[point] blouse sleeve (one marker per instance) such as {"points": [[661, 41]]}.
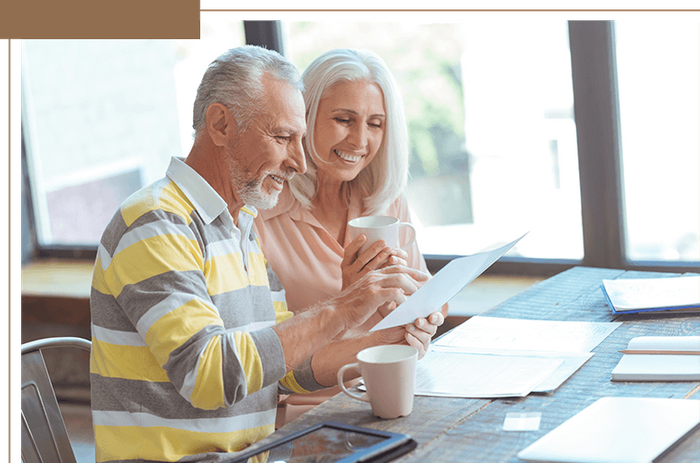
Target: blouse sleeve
{"points": [[400, 209]]}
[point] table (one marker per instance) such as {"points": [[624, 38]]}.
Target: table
{"points": [[470, 430]]}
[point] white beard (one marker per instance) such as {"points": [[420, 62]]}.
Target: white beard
{"points": [[253, 195], [250, 191]]}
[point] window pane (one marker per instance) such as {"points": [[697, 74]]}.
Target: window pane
{"points": [[101, 118], [489, 107], [658, 67]]}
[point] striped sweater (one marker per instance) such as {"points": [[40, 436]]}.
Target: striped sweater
{"points": [[184, 360]]}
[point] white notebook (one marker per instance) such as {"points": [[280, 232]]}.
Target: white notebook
{"points": [[660, 367], [617, 430]]}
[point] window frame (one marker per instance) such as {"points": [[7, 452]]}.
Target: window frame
{"points": [[596, 114]]}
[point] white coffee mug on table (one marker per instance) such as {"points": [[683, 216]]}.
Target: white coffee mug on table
{"points": [[389, 374], [380, 227]]}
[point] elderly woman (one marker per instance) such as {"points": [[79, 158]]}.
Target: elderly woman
{"points": [[356, 151]]}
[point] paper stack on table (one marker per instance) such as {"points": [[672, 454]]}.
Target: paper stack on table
{"points": [[488, 357]]}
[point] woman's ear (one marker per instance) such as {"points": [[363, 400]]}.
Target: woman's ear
{"points": [[221, 125]]}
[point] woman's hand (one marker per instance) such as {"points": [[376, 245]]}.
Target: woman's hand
{"points": [[378, 255]]}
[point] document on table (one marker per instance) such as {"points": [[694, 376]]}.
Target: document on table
{"points": [[444, 285], [459, 374], [497, 357]]}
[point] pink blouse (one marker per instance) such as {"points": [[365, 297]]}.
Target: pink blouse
{"points": [[305, 257]]}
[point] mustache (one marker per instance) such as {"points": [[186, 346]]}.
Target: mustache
{"points": [[286, 176]]}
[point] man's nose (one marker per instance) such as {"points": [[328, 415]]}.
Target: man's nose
{"points": [[297, 160]]}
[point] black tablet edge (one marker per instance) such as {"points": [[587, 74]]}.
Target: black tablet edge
{"points": [[392, 453], [394, 446]]}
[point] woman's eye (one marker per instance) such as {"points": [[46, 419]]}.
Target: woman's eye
{"points": [[342, 121]]}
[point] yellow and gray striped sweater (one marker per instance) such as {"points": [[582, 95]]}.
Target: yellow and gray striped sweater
{"points": [[184, 361]]}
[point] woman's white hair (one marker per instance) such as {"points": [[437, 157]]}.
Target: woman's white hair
{"points": [[234, 79], [381, 182]]}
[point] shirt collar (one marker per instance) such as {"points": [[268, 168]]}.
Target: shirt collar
{"points": [[204, 198]]}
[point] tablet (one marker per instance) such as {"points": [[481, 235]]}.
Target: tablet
{"points": [[331, 442]]}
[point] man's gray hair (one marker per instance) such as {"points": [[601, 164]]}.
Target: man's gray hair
{"points": [[234, 79]]}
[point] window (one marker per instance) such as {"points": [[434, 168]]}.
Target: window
{"points": [[658, 68], [100, 120], [584, 132], [489, 107]]}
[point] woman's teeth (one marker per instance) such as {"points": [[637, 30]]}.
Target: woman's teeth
{"points": [[347, 157]]}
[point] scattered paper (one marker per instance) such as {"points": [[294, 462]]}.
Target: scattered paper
{"points": [[522, 421], [486, 334], [488, 357], [451, 374]]}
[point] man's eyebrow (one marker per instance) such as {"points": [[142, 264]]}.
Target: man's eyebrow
{"points": [[289, 130]]}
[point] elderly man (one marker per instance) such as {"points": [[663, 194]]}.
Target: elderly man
{"points": [[192, 339]]}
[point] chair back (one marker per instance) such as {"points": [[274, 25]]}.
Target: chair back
{"points": [[44, 435]]}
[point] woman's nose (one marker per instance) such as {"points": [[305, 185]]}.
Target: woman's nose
{"points": [[358, 136]]}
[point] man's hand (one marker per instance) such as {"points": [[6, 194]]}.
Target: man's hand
{"points": [[384, 288], [417, 334]]}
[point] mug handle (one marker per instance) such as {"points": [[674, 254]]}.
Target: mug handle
{"points": [[413, 235], [355, 366]]}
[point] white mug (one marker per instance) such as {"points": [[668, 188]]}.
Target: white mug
{"points": [[389, 373], [380, 227]]}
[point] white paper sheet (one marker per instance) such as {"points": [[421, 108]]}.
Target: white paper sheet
{"points": [[522, 421], [486, 334], [443, 286], [518, 353], [455, 374]]}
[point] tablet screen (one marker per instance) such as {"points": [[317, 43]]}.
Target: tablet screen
{"points": [[328, 445], [323, 445]]}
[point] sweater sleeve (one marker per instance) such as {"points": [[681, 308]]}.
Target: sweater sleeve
{"points": [[154, 275]]}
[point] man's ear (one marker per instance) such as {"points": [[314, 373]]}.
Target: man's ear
{"points": [[221, 125]]}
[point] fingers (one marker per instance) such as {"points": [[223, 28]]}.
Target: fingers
{"points": [[397, 257], [375, 256], [421, 325], [416, 275], [421, 331], [386, 309], [436, 319], [351, 250], [402, 282], [419, 345], [353, 267]]}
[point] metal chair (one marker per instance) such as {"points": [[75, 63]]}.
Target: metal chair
{"points": [[44, 435]]}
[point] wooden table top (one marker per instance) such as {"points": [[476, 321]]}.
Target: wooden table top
{"points": [[471, 430]]}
